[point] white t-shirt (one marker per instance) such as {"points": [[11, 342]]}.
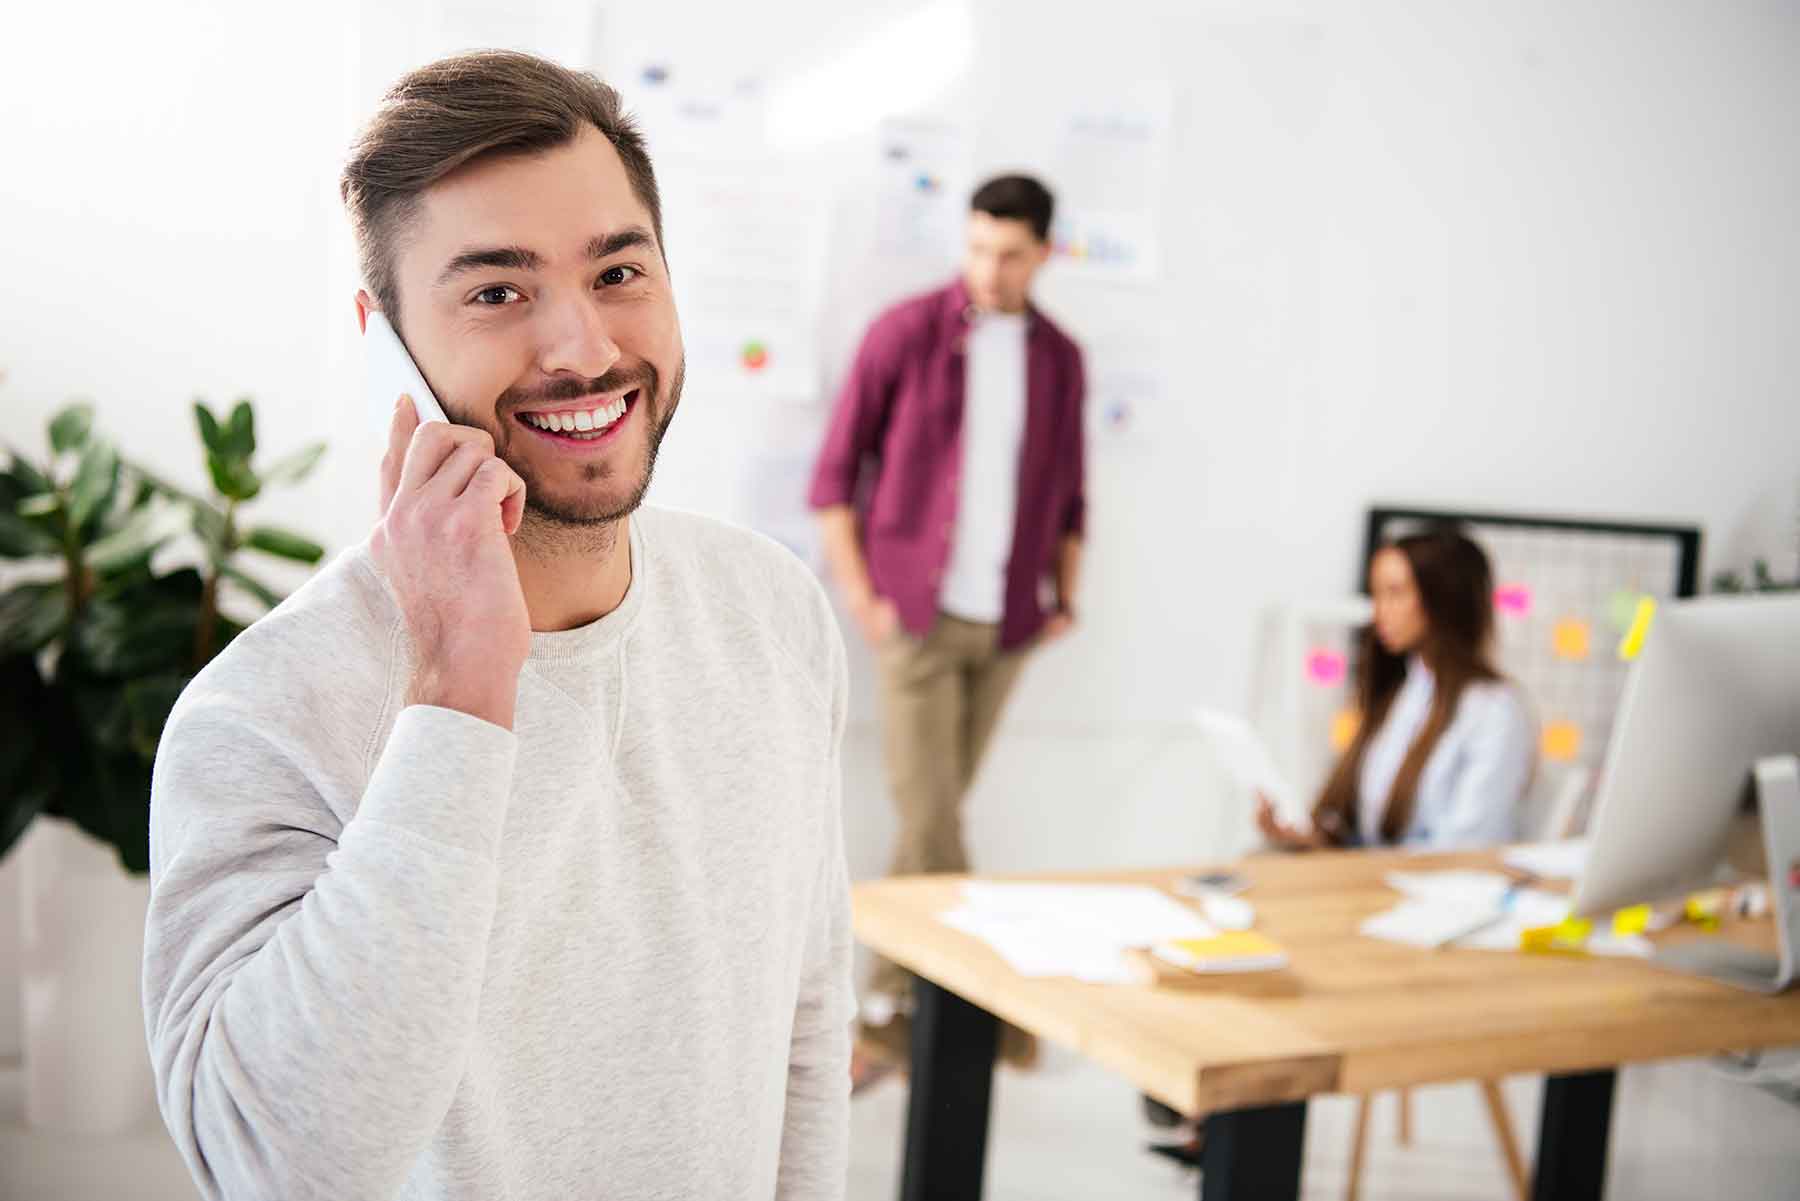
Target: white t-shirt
{"points": [[993, 424]]}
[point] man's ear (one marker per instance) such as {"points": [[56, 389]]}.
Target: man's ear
{"points": [[365, 304]]}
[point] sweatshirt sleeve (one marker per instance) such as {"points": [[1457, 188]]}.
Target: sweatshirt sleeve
{"points": [[815, 1137], [311, 985]]}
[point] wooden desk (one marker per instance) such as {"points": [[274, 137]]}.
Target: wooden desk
{"points": [[1351, 1015]]}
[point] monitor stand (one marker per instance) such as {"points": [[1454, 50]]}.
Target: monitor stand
{"points": [[1777, 783]]}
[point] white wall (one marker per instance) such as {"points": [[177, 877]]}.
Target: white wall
{"points": [[1528, 256]]}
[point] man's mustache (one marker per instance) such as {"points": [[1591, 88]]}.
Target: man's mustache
{"points": [[619, 379]]}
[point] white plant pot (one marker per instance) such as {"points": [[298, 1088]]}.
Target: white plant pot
{"points": [[87, 1069]]}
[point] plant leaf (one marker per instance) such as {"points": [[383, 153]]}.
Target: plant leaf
{"points": [[285, 543], [209, 524], [31, 615], [95, 482], [29, 479], [210, 433], [291, 469], [240, 434], [20, 539], [251, 584], [27, 774], [41, 505], [147, 529], [69, 428], [233, 477]]}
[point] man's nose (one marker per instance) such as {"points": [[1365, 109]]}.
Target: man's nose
{"points": [[577, 339]]}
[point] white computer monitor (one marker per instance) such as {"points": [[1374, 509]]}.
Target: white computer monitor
{"points": [[1716, 688]]}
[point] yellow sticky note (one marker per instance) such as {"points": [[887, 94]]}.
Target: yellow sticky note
{"points": [[1633, 642], [1344, 725], [1561, 741], [1703, 908], [1634, 920], [1571, 639]]}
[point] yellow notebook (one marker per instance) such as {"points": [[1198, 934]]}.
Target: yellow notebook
{"points": [[1231, 951]]}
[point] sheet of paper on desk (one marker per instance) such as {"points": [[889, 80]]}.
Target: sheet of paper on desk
{"points": [[1073, 930], [1125, 915], [1033, 947], [1424, 924], [1550, 860], [1529, 909], [1452, 889]]}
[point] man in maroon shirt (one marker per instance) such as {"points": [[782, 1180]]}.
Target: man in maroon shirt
{"points": [[950, 493]]}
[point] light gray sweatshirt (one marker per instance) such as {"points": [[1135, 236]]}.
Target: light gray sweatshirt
{"points": [[399, 952]]}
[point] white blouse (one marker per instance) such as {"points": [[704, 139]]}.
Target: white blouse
{"points": [[1474, 782]]}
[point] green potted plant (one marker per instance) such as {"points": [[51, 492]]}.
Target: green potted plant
{"points": [[113, 602]]}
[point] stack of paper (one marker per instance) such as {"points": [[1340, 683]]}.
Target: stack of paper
{"points": [[1468, 908], [1074, 930]]}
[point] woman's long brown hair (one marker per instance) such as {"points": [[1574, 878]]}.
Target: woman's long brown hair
{"points": [[1456, 590]]}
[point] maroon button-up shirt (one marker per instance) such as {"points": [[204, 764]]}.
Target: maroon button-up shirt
{"points": [[894, 451]]}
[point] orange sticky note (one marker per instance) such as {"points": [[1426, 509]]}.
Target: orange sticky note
{"points": [[1561, 741], [1571, 639], [1344, 725]]}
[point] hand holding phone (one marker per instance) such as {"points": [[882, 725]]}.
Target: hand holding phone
{"points": [[449, 505]]}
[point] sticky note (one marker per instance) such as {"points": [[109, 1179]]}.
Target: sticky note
{"points": [[1621, 608], [1571, 934], [1561, 741], [1513, 600], [1326, 667], [1633, 643], [1571, 639], [1634, 920], [1344, 725]]}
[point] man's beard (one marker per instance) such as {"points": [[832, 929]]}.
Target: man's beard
{"points": [[554, 523]]}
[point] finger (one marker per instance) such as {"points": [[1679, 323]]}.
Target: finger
{"points": [[512, 510], [493, 484], [453, 475], [431, 445], [400, 432]]}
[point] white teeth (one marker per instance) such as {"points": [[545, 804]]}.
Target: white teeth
{"points": [[592, 420]]}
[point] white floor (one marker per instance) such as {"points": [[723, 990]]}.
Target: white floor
{"points": [[1069, 1130]]}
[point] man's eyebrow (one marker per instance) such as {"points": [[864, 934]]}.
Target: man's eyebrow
{"points": [[510, 258], [632, 237]]}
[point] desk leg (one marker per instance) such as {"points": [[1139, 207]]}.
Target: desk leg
{"points": [[1571, 1159], [953, 1046], [1253, 1154]]}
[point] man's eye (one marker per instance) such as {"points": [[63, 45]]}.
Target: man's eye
{"points": [[613, 277], [497, 295]]}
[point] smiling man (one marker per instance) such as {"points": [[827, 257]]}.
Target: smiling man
{"points": [[504, 860]]}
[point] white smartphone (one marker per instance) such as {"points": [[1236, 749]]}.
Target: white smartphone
{"points": [[390, 373]]}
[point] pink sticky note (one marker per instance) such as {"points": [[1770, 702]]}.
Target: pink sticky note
{"points": [[1514, 599], [1326, 667]]}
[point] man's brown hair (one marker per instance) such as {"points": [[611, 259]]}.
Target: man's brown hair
{"points": [[461, 109]]}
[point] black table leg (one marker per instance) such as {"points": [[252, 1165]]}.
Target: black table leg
{"points": [[1253, 1154], [1571, 1161], [953, 1046]]}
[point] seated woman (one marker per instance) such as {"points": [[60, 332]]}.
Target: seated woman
{"points": [[1447, 746]]}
